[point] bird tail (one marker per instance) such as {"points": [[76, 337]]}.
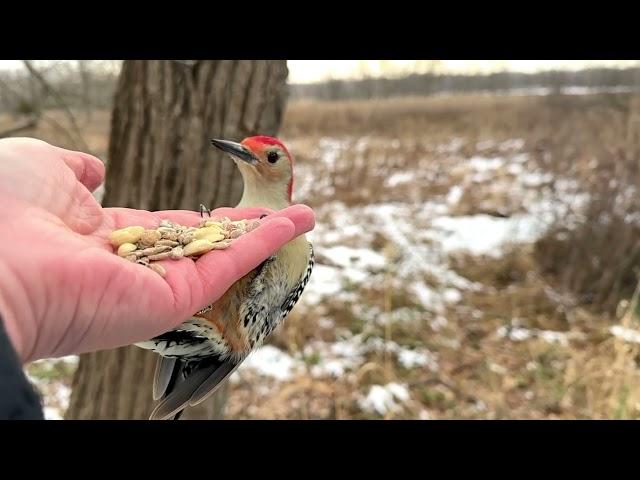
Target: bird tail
{"points": [[182, 383]]}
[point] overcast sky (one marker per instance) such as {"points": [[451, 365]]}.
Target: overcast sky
{"points": [[305, 71]]}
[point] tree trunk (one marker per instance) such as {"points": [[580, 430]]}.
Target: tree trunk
{"points": [[633, 129], [160, 157]]}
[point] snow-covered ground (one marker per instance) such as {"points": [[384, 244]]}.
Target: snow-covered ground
{"points": [[421, 237], [423, 234]]}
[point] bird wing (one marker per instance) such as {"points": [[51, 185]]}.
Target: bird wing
{"points": [[163, 375], [192, 383], [213, 382]]}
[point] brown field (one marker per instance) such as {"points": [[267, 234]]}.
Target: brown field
{"points": [[437, 295]]}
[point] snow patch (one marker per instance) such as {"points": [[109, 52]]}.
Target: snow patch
{"points": [[627, 334], [360, 258], [485, 164], [384, 399], [399, 178], [520, 334], [271, 362], [484, 234]]}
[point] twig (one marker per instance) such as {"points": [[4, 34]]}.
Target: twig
{"points": [[59, 127]]}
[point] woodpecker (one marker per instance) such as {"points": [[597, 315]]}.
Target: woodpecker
{"points": [[196, 357]]}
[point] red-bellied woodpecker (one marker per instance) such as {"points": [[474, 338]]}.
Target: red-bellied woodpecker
{"points": [[200, 354]]}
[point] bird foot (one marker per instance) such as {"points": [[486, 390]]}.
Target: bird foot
{"points": [[204, 210]]}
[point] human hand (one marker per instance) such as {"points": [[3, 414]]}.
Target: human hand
{"points": [[62, 289]]}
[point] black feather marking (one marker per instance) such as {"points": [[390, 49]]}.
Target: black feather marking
{"points": [[180, 337]]}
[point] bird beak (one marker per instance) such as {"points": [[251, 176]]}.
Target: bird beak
{"points": [[236, 150]]}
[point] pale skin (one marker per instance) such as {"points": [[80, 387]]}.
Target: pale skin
{"points": [[62, 289]]}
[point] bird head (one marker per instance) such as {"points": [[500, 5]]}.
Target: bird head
{"points": [[266, 167]]}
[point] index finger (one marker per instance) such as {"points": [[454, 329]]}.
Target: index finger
{"points": [[88, 169]]}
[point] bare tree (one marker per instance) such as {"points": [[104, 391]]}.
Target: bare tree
{"points": [[49, 90], [164, 114], [31, 95]]}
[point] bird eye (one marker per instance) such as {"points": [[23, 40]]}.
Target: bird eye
{"points": [[272, 157]]}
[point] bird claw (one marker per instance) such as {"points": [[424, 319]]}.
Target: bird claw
{"points": [[206, 309], [204, 210]]}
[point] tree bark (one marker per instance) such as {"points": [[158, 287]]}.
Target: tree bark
{"points": [[160, 157], [633, 129]]}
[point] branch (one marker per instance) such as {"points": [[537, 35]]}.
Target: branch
{"points": [[53, 122], [29, 123]]}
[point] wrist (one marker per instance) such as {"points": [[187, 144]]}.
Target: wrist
{"points": [[8, 315], [11, 328]]}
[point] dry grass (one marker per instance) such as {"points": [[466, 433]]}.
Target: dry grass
{"points": [[569, 283]]}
